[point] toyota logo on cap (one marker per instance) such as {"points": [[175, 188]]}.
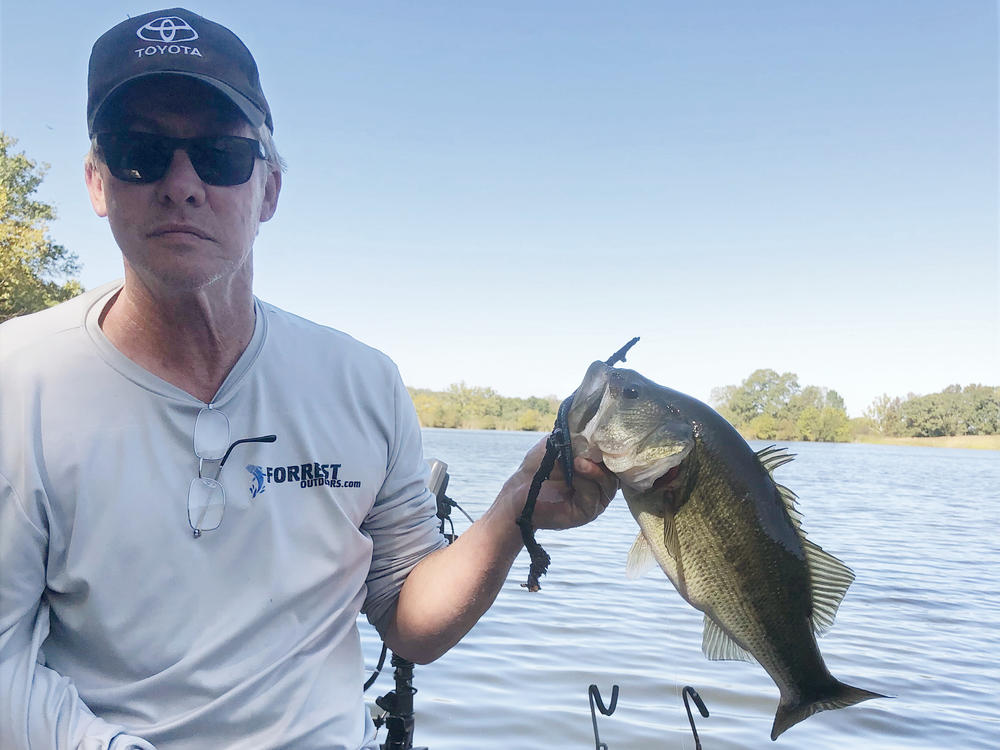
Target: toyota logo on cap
{"points": [[167, 29]]}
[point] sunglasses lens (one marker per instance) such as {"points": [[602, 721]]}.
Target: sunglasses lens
{"points": [[223, 160], [206, 503], [136, 157], [211, 434]]}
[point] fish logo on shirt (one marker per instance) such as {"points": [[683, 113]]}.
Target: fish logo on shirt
{"points": [[257, 485]]}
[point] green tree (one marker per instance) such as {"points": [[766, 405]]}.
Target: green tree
{"points": [[834, 425], [808, 424], [835, 401], [764, 392], [762, 427], [980, 410], [31, 264], [531, 421], [933, 415], [772, 406], [721, 398], [886, 414]]}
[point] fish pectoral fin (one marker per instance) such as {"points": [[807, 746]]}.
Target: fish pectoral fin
{"points": [[830, 580], [640, 558], [718, 646], [670, 539]]}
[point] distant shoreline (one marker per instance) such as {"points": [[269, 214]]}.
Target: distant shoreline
{"points": [[973, 442], [967, 442]]}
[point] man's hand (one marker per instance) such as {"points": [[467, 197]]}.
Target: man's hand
{"points": [[560, 506], [450, 589]]}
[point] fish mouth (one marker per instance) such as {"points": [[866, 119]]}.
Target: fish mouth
{"points": [[588, 397], [584, 409], [644, 472]]}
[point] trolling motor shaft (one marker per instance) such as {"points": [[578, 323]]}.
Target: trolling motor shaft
{"points": [[398, 704]]}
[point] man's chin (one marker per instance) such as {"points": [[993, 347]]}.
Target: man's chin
{"points": [[180, 279]]}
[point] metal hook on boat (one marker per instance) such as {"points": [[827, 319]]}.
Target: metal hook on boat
{"points": [[688, 690], [595, 696]]}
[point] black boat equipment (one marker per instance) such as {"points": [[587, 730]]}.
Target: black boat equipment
{"points": [[398, 702], [595, 697]]}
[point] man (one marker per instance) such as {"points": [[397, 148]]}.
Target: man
{"points": [[199, 492]]}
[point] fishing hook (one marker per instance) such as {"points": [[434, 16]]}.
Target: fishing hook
{"points": [[688, 690], [595, 695]]}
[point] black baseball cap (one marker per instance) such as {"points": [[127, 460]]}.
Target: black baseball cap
{"points": [[175, 42]]}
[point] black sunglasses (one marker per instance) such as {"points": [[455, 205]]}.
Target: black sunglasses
{"points": [[221, 160]]}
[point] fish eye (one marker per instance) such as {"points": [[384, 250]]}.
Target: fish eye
{"points": [[630, 392]]}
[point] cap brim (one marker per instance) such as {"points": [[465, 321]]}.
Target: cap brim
{"points": [[250, 111]]}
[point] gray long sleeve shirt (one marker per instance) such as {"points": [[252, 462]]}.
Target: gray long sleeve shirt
{"points": [[116, 622]]}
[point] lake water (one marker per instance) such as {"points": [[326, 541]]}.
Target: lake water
{"points": [[919, 527]]}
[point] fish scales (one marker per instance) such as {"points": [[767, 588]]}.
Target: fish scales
{"points": [[755, 587], [727, 536]]}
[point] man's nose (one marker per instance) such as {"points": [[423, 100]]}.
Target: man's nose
{"points": [[181, 183]]}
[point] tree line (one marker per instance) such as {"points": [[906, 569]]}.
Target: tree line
{"points": [[767, 405], [972, 410], [477, 408]]}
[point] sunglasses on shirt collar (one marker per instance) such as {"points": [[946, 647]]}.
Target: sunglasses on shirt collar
{"points": [[221, 160]]}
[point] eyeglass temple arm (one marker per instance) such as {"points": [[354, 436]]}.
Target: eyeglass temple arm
{"points": [[261, 439]]}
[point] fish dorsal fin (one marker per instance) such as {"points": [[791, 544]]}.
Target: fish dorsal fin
{"points": [[830, 580], [718, 646], [829, 577], [791, 501], [772, 457], [640, 558]]}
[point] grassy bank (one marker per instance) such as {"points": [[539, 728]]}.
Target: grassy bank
{"points": [[977, 442]]}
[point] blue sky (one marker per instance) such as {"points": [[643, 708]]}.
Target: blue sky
{"points": [[499, 193]]}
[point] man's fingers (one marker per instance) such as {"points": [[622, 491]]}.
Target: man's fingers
{"points": [[598, 473]]}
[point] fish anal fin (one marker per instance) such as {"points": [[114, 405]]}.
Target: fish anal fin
{"points": [[640, 558], [718, 646]]}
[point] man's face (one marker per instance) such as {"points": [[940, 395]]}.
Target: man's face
{"points": [[180, 233]]}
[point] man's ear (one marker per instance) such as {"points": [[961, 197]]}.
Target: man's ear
{"points": [[272, 188], [95, 187]]}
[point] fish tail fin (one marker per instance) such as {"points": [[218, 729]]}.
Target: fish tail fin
{"points": [[836, 695]]}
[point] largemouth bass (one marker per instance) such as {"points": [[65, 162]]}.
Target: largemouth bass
{"points": [[726, 534]]}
